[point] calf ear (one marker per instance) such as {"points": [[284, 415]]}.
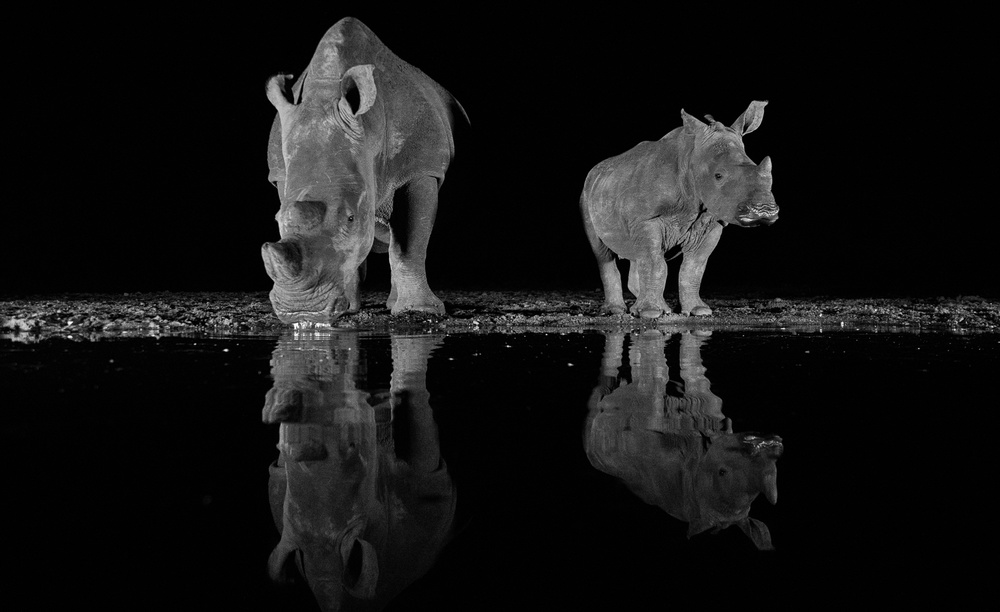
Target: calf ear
{"points": [[693, 124], [357, 90], [758, 532], [751, 118], [699, 525]]}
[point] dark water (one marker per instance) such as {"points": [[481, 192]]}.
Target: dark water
{"points": [[155, 473]]}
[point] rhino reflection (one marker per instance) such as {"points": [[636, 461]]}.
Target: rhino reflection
{"points": [[359, 492], [669, 441]]}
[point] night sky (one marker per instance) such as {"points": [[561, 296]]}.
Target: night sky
{"points": [[140, 145]]}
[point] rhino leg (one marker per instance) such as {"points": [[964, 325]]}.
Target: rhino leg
{"points": [[411, 402], [611, 278], [389, 303], [414, 209], [651, 274], [633, 280], [648, 274], [692, 269]]}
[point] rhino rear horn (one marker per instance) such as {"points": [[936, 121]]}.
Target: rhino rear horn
{"points": [[751, 118]]}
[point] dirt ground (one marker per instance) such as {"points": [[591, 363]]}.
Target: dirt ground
{"points": [[86, 316]]}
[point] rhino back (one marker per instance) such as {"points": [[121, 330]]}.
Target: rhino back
{"points": [[644, 183]]}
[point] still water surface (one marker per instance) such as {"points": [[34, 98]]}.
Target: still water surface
{"points": [[495, 471]]}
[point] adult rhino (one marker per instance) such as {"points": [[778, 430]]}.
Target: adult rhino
{"points": [[674, 196], [666, 438], [358, 152]]}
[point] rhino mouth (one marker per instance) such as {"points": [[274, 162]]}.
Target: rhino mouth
{"points": [[759, 214], [754, 221], [308, 318]]}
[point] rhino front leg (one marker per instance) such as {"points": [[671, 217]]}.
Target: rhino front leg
{"points": [[411, 410], [648, 273], [414, 210], [692, 269], [633, 280], [652, 275]]}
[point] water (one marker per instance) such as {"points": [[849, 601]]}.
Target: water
{"points": [[145, 473]]}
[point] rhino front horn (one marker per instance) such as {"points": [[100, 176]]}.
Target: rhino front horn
{"points": [[282, 260]]}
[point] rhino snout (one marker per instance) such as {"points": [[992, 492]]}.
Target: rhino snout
{"points": [[761, 213]]}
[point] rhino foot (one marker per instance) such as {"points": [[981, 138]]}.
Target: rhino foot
{"points": [[696, 309], [429, 303], [649, 310], [610, 308]]}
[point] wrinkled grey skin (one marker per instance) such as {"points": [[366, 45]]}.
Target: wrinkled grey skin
{"points": [[673, 196], [670, 443], [358, 151], [359, 521]]}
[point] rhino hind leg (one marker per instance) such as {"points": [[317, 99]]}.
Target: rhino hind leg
{"points": [[611, 278], [414, 210]]}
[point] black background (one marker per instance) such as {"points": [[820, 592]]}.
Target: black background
{"points": [[136, 143]]}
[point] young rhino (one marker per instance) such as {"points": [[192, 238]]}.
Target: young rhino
{"points": [[674, 195]]}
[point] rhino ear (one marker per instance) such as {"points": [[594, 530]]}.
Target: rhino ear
{"points": [[276, 88], [360, 569], [751, 118], [281, 561], [357, 90], [699, 525], [758, 532], [692, 124]]}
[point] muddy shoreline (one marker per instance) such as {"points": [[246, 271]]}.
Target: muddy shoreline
{"points": [[94, 316]]}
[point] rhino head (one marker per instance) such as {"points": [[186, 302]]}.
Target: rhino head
{"points": [[732, 472], [330, 126], [723, 177]]}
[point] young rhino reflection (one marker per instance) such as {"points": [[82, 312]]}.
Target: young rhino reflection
{"points": [[670, 443], [359, 493]]}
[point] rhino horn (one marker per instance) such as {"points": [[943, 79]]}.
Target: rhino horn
{"points": [[770, 486], [764, 168], [751, 118], [282, 260]]}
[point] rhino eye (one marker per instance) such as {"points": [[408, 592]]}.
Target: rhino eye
{"points": [[350, 218], [723, 471], [718, 176]]}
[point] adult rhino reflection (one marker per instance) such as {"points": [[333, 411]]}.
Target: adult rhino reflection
{"points": [[359, 492], [669, 441]]}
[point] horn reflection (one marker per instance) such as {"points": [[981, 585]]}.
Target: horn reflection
{"points": [[667, 439]]}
